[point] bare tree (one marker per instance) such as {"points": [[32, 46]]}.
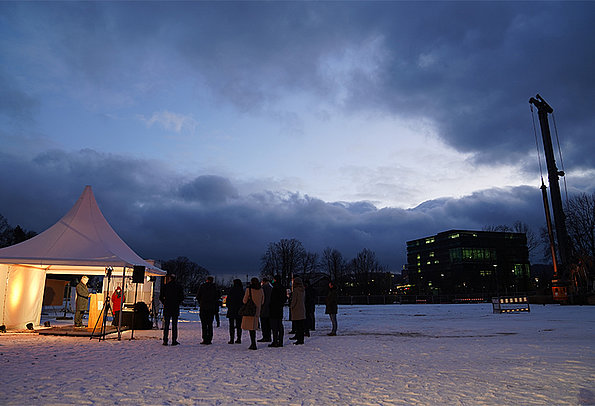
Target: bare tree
{"points": [[283, 258], [5, 232], [533, 241], [364, 264], [189, 274], [580, 221], [309, 263], [500, 228], [333, 265]]}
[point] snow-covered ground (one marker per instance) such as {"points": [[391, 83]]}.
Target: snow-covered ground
{"points": [[383, 355]]}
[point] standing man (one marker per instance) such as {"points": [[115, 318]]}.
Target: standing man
{"points": [[172, 295], [265, 322], [208, 299], [82, 301], [278, 300]]}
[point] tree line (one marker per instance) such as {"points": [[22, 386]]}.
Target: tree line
{"points": [[362, 274], [12, 235]]}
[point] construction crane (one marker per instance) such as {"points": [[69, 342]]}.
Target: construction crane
{"points": [[561, 279]]}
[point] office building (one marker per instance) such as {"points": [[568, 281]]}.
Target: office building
{"points": [[469, 262]]}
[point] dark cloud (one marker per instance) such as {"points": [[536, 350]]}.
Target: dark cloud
{"points": [[466, 68], [470, 68], [230, 233], [208, 189]]}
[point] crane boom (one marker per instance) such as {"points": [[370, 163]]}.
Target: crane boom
{"points": [[561, 275]]}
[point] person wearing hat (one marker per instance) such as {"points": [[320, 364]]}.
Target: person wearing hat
{"points": [[82, 301]]}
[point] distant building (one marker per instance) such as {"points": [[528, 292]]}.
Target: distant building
{"points": [[469, 262]]}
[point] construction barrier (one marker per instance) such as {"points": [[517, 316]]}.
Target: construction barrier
{"points": [[510, 304]]}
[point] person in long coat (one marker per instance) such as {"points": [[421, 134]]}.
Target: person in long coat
{"points": [[250, 323], [82, 301], [171, 295], [233, 303], [332, 307], [265, 321], [208, 300], [298, 310], [278, 299]]}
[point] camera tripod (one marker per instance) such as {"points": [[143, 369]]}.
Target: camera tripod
{"points": [[104, 311]]}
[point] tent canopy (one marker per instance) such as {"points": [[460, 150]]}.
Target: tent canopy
{"points": [[81, 242]]}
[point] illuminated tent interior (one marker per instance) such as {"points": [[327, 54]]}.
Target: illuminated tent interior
{"points": [[80, 243]]}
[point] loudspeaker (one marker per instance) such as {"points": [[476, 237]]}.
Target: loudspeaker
{"points": [[138, 274]]}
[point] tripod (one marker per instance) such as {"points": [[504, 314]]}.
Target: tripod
{"points": [[104, 311], [67, 304]]}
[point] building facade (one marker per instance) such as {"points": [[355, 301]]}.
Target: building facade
{"points": [[469, 262]]}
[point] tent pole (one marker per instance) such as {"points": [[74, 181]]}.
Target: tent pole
{"points": [[134, 312], [122, 303]]}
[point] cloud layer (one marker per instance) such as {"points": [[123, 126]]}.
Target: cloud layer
{"points": [[161, 215], [211, 129]]}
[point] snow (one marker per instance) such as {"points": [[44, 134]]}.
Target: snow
{"points": [[382, 355]]}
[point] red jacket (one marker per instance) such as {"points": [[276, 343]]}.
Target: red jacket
{"points": [[117, 298]]}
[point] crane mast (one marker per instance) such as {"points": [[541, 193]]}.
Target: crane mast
{"points": [[560, 281]]}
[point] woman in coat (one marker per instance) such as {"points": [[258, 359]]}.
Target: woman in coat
{"points": [[332, 307], [298, 310], [250, 323], [233, 303]]}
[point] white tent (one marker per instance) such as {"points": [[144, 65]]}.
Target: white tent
{"points": [[81, 243]]}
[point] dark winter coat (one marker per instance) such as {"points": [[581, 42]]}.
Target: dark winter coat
{"points": [[234, 301], [266, 289], [297, 306], [172, 295], [82, 297], [331, 301], [208, 297], [278, 300]]}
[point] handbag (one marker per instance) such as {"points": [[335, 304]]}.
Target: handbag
{"points": [[248, 308]]}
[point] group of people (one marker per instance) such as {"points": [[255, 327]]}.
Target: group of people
{"points": [[269, 298]]}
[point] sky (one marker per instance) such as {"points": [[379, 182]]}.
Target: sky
{"points": [[211, 129]]}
